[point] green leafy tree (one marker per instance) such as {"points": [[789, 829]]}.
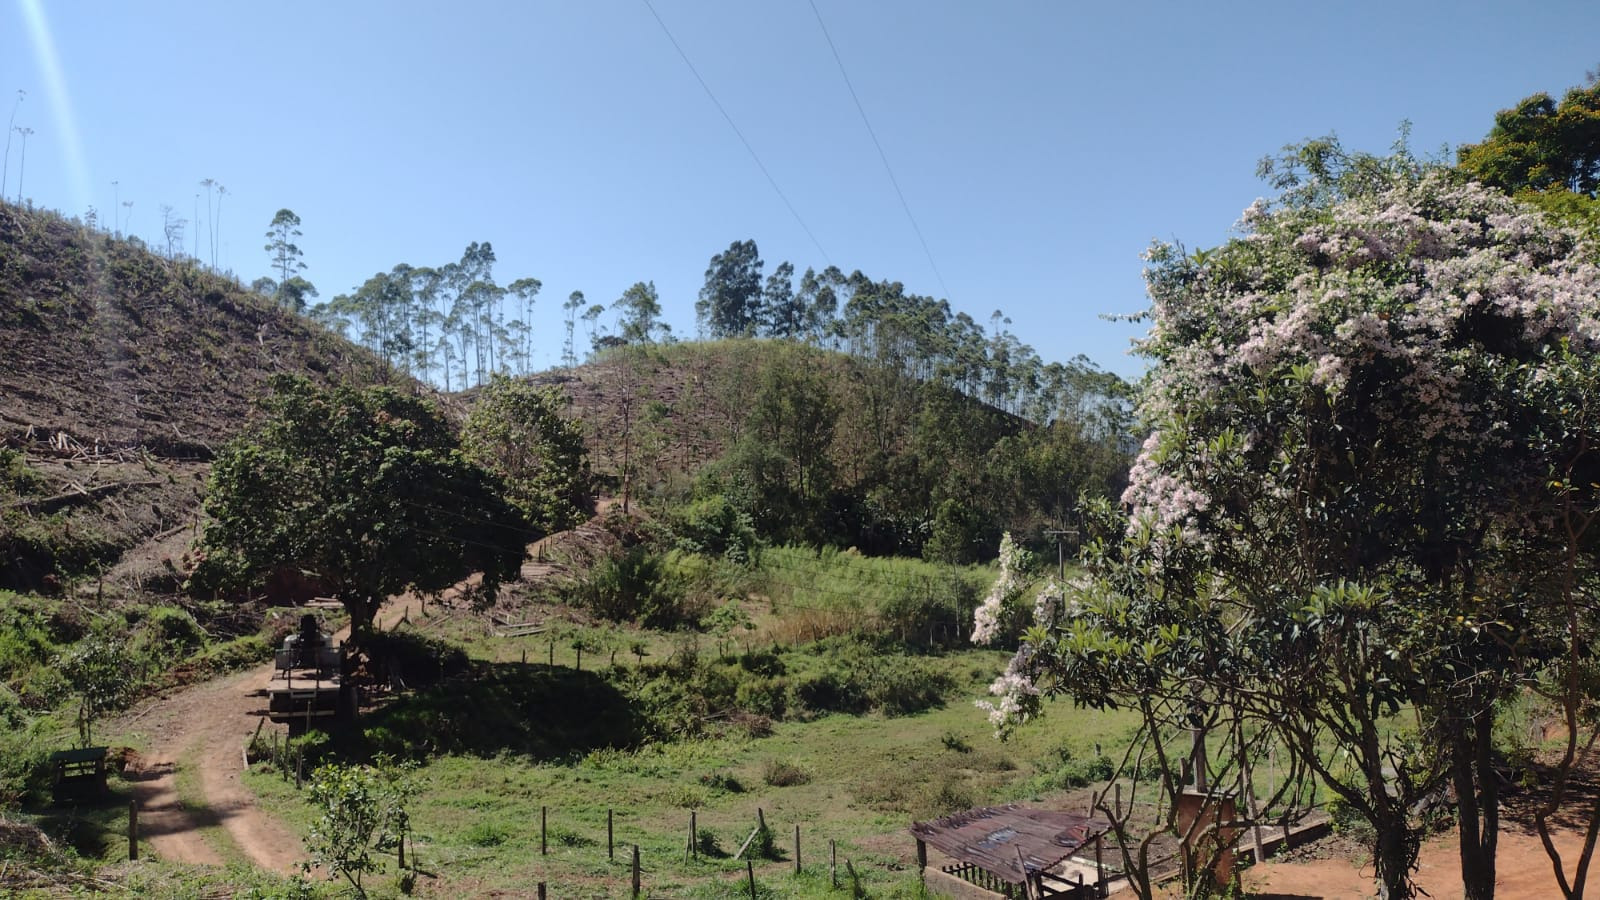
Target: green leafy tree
{"points": [[98, 669], [362, 817], [365, 490], [782, 458], [783, 313], [517, 431], [1546, 153], [639, 315], [730, 301]]}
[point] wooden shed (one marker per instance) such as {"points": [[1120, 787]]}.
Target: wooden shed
{"points": [[1014, 851]]}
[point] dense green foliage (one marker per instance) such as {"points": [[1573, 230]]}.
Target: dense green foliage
{"points": [[801, 444], [366, 491], [1546, 153], [518, 432]]}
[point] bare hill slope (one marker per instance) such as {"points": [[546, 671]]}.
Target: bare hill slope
{"points": [[109, 342], [120, 372]]}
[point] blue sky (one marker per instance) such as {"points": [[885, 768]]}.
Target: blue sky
{"points": [[1040, 145]]}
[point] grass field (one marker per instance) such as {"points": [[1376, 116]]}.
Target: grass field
{"points": [[853, 780]]}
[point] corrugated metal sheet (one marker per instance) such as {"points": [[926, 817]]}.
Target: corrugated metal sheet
{"points": [[991, 836]]}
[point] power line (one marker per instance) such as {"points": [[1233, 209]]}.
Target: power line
{"points": [[752, 151], [881, 155]]}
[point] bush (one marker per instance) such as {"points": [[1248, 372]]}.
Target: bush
{"points": [[722, 781], [781, 773], [1070, 772], [715, 527], [175, 627], [708, 845], [633, 584], [762, 696]]}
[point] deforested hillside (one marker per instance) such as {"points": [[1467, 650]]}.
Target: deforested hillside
{"points": [[109, 343], [120, 373]]}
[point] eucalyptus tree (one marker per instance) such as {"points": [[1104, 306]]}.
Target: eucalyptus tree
{"points": [[287, 259], [782, 310], [569, 310], [525, 290], [5, 168], [730, 301], [22, 166], [210, 184], [639, 315]]}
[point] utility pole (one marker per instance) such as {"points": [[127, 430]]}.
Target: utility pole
{"points": [[1061, 554]]}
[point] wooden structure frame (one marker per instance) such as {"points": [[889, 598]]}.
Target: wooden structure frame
{"points": [[78, 773], [1010, 851]]}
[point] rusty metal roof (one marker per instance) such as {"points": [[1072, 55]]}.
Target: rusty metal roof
{"points": [[990, 837]]}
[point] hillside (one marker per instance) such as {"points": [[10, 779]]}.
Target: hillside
{"points": [[112, 344], [122, 371], [822, 447]]}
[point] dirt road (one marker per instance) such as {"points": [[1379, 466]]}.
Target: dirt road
{"points": [[197, 737], [1522, 871]]}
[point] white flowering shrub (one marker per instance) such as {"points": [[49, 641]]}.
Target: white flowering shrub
{"points": [[988, 617]]}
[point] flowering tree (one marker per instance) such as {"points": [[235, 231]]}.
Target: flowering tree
{"points": [[1343, 509]]}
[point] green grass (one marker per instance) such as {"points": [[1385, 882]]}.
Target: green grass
{"points": [[477, 818]]}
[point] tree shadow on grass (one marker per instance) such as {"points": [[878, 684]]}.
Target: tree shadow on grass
{"points": [[524, 709]]}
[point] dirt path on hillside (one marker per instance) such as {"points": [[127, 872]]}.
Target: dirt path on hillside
{"points": [[202, 730]]}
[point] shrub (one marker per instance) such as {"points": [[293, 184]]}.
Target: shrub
{"points": [[722, 781], [762, 696], [632, 584], [956, 742], [1070, 772], [781, 773], [715, 527], [708, 845], [567, 837]]}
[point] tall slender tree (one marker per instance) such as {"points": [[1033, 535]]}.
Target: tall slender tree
{"points": [[5, 169], [569, 357]]}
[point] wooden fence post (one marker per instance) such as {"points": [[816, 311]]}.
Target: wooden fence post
{"points": [[543, 847], [635, 870], [541, 891], [797, 849], [833, 863], [750, 872], [611, 847], [694, 835], [133, 829]]}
